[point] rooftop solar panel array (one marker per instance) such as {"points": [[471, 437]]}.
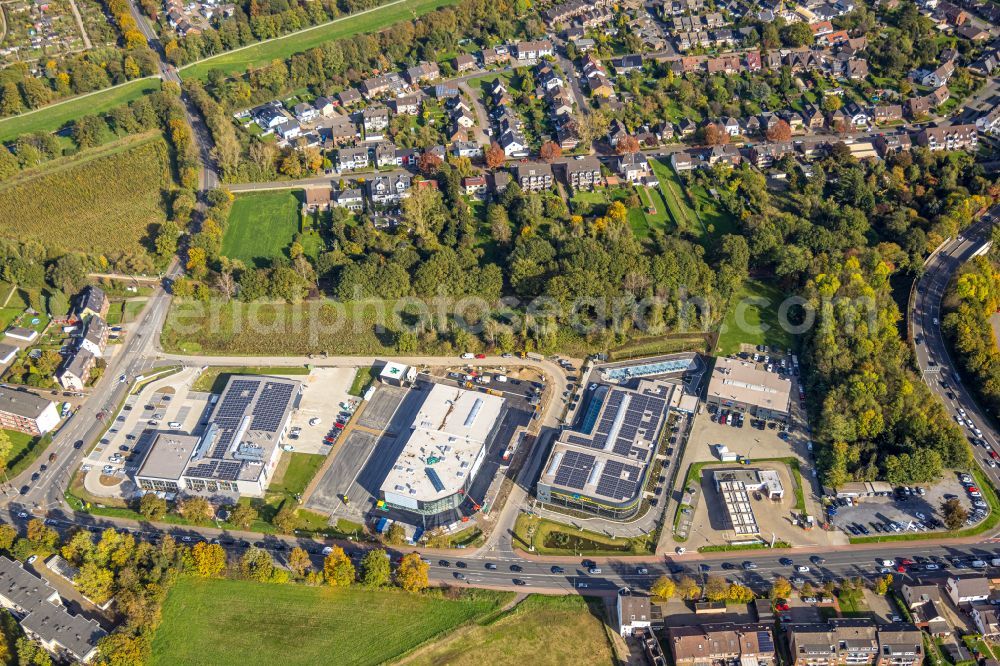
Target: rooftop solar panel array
{"points": [[640, 422], [224, 470], [230, 412], [765, 641], [619, 481], [574, 469], [270, 407]]}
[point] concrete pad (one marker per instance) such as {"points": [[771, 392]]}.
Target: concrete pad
{"points": [[323, 390], [378, 411]]}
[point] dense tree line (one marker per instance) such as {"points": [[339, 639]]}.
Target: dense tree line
{"points": [[973, 298]]}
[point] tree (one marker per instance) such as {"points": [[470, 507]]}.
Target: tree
{"points": [[41, 535], [550, 151], [195, 508], [123, 648], [627, 145], [152, 507], [87, 131], [209, 559], [796, 34], [954, 513], [256, 564], [429, 163], [375, 568], [739, 594], [495, 157], [5, 447], [688, 589], [95, 582], [286, 519], [663, 587], [499, 223], [412, 573], [7, 535], [882, 584], [298, 561], [831, 103], [779, 131], [715, 135], [30, 653], [243, 516], [716, 588], [395, 535], [781, 589], [338, 570]]}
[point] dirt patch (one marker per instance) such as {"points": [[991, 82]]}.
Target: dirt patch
{"points": [[109, 481]]}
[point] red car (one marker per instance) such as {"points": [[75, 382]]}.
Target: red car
{"points": [[329, 439], [901, 569], [781, 606], [480, 355], [993, 454], [906, 561], [338, 426], [972, 489]]}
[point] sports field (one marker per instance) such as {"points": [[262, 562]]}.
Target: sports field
{"points": [[261, 226], [242, 623], [542, 631], [280, 48], [52, 117]]}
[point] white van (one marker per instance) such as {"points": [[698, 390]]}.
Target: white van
{"points": [[174, 424], [500, 378]]}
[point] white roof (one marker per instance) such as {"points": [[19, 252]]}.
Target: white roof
{"points": [[739, 381], [393, 370], [447, 436]]}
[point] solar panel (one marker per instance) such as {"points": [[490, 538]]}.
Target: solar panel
{"points": [[765, 641], [574, 470], [619, 481]]}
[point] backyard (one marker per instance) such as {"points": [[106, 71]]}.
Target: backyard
{"points": [[242, 623], [703, 219], [651, 214]]}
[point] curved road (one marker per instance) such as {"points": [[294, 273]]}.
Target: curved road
{"points": [[933, 357]]}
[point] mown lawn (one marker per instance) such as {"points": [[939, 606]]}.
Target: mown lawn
{"points": [[214, 378], [750, 320], [298, 471], [52, 117], [261, 226], [541, 631], [281, 48], [242, 623]]}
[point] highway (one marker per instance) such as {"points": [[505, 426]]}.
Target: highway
{"points": [[933, 358]]}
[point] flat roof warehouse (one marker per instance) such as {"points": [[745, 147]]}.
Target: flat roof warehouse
{"points": [[740, 382]]}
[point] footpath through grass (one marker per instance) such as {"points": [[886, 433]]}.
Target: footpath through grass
{"points": [[52, 117], [257, 55], [223, 622], [541, 630]]}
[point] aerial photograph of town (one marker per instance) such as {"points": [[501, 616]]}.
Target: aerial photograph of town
{"points": [[500, 332]]}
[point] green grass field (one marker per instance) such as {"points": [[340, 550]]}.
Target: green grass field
{"points": [[24, 450], [542, 631], [52, 117], [280, 48], [261, 226], [746, 320], [296, 473], [223, 622], [214, 378]]}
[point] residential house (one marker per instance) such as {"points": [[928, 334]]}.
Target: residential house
{"points": [[469, 149], [986, 620], [626, 64], [533, 50], [341, 130], [686, 127], [764, 155], [616, 132], [474, 185], [965, 590], [900, 645], [464, 62], [288, 130], [445, 90], [498, 56], [918, 107], [955, 137], [857, 116], [887, 113], [375, 86], [841, 641], [985, 64], [533, 176], [349, 97], [353, 158], [634, 612], [568, 135], [583, 174], [939, 76], [939, 96], [95, 336], [305, 112], [723, 154], [75, 372], [722, 643], [499, 180], [990, 122], [425, 71], [389, 190], [269, 116], [317, 198], [972, 33], [324, 106], [374, 119], [352, 199], [92, 301], [916, 593], [681, 161], [385, 154], [633, 167], [407, 105], [514, 144]]}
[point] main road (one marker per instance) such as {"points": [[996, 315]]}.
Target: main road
{"points": [[933, 357]]}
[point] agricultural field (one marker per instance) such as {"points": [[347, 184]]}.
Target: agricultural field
{"points": [[257, 55], [753, 322], [83, 202], [540, 630], [54, 116], [296, 624], [261, 226]]}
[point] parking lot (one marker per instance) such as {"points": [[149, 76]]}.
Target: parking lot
{"points": [[323, 391], [900, 511]]}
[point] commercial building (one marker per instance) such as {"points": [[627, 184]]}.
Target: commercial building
{"points": [[397, 374], [601, 467], [39, 610], [740, 385], [238, 450], [735, 486], [26, 412], [445, 448]]}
